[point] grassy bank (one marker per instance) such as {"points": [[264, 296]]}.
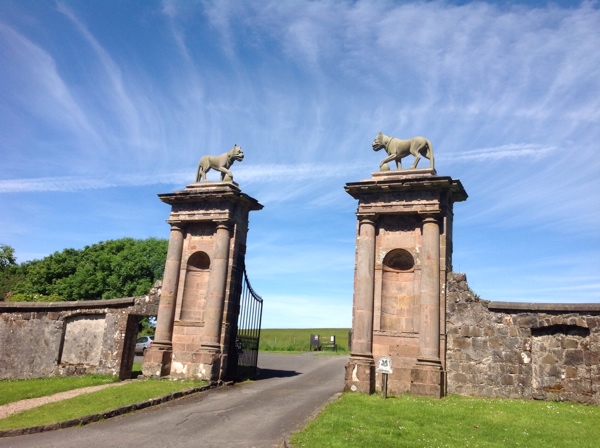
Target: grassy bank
{"points": [[298, 340], [15, 390], [369, 421], [93, 403]]}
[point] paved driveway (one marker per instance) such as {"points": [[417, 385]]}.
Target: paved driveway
{"points": [[261, 413]]}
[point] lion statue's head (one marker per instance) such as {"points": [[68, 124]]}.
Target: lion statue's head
{"points": [[237, 153], [378, 142]]}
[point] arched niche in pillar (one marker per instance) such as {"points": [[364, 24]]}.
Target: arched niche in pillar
{"points": [[397, 295], [195, 287]]}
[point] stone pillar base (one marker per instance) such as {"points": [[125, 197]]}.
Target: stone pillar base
{"points": [[157, 362], [210, 365], [360, 374], [202, 364], [427, 378]]}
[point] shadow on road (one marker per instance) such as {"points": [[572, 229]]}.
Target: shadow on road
{"points": [[265, 374]]}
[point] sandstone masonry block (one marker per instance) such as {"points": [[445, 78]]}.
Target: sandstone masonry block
{"points": [[547, 351]]}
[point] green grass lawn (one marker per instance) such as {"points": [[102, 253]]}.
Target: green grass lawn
{"points": [[93, 403], [15, 390], [136, 370], [370, 421], [298, 340]]}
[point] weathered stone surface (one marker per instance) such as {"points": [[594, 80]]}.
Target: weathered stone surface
{"points": [[540, 351], [360, 376], [403, 251], [71, 338], [198, 309]]}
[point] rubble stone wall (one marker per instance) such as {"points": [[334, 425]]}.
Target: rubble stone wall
{"points": [[521, 350], [41, 339]]}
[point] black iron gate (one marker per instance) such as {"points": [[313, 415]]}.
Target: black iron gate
{"points": [[243, 349]]}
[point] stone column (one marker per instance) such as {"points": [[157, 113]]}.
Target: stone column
{"points": [[427, 376], [216, 289], [157, 361], [360, 370], [429, 337]]}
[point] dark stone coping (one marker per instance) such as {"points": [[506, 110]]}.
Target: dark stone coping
{"points": [[110, 303], [104, 415], [210, 191], [412, 181], [556, 307]]}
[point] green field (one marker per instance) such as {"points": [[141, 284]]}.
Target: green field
{"points": [[298, 340]]}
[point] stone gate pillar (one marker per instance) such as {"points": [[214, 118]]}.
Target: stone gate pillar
{"points": [[404, 249], [216, 288], [360, 370], [427, 375], [158, 359], [209, 226]]}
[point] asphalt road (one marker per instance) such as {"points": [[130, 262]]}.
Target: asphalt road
{"points": [[257, 414]]}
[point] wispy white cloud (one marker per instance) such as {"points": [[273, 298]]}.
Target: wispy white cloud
{"points": [[130, 110], [171, 10], [32, 81], [512, 151], [80, 183], [259, 174], [507, 98], [311, 175]]}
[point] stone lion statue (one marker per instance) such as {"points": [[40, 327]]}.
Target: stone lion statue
{"points": [[398, 149], [219, 163]]}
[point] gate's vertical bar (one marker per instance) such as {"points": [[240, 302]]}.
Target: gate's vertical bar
{"points": [[248, 324]]}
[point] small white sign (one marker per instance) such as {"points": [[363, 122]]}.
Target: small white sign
{"points": [[384, 365]]}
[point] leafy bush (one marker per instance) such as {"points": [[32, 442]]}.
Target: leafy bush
{"points": [[106, 270], [24, 297]]}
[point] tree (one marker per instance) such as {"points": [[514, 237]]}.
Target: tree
{"points": [[7, 257], [106, 270], [10, 275]]}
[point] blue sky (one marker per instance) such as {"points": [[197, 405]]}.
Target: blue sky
{"points": [[105, 104]]}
